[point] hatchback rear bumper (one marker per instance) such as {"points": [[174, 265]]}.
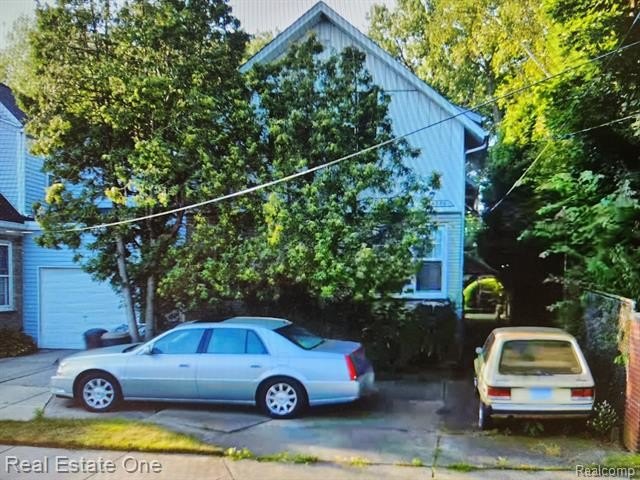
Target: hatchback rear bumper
{"points": [[573, 410]]}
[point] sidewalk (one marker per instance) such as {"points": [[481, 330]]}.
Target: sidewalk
{"points": [[134, 466]]}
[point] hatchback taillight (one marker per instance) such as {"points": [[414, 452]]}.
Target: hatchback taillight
{"points": [[351, 367], [582, 393], [499, 393]]}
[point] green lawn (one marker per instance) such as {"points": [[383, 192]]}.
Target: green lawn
{"points": [[623, 460], [112, 434]]}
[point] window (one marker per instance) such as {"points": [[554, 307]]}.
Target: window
{"points": [[431, 276], [235, 341], [254, 344], [538, 357], [487, 345], [6, 276], [300, 336], [179, 342]]}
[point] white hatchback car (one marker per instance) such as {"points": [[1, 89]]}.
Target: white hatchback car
{"points": [[532, 372]]}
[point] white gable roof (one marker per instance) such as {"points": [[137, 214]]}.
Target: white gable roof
{"points": [[321, 11]]}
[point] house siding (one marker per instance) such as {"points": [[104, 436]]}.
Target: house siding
{"points": [[454, 223], [13, 319], [441, 148], [35, 182], [10, 134]]}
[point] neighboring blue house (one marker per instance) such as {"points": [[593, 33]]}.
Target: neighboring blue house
{"points": [[41, 290]]}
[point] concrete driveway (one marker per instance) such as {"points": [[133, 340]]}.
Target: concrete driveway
{"points": [[430, 418], [24, 383]]}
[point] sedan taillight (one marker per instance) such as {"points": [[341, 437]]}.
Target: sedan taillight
{"points": [[582, 393], [499, 393], [351, 368]]}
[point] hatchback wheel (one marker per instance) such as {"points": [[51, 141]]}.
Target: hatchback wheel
{"points": [[282, 398], [484, 416], [99, 392]]}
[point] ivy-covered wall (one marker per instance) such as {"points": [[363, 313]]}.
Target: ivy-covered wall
{"points": [[605, 344], [610, 336]]}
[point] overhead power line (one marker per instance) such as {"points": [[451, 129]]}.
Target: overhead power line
{"points": [[518, 182], [619, 48], [355, 154]]}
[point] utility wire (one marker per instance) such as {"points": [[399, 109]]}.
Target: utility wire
{"points": [[619, 48], [355, 154], [518, 182], [588, 129]]}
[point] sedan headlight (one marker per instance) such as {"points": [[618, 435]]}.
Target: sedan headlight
{"points": [[61, 368]]}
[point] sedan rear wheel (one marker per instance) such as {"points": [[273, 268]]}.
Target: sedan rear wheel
{"points": [[282, 398], [99, 392]]}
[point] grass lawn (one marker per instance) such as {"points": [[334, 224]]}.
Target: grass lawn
{"points": [[112, 434], [623, 460]]}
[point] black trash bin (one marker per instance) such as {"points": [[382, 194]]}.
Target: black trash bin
{"points": [[115, 338], [93, 338]]}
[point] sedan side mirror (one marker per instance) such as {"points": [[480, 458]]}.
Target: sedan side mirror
{"points": [[147, 349], [479, 351]]}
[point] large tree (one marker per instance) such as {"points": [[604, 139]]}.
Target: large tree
{"points": [[136, 107], [342, 233], [466, 48]]}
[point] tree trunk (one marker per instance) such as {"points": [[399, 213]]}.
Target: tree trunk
{"points": [[149, 311], [126, 290]]}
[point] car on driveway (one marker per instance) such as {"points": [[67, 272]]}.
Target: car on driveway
{"points": [[269, 362], [532, 372]]}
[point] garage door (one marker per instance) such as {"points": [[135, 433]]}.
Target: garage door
{"points": [[71, 303]]}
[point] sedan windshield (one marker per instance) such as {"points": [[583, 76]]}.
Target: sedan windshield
{"points": [[300, 336], [538, 357]]}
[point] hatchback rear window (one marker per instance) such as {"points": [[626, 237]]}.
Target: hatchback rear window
{"points": [[300, 336], [538, 357]]}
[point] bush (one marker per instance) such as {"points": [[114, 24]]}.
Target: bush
{"points": [[400, 338], [397, 338], [604, 418], [14, 343]]}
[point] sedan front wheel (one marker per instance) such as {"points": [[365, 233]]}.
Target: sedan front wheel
{"points": [[99, 392]]}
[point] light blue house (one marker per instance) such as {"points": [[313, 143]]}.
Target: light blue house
{"points": [[445, 148], [41, 290]]}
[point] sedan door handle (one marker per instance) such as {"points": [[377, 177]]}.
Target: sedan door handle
{"points": [[256, 366], [183, 365]]}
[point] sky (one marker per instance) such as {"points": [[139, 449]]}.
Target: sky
{"points": [[255, 15]]}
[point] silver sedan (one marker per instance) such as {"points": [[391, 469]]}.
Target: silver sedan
{"points": [[268, 362]]}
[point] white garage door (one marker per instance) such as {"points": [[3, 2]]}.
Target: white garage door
{"points": [[72, 303]]}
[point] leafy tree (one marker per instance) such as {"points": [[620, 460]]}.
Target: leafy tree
{"points": [[578, 204], [135, 109], [15, 55], [257, 42], [342, 233], [466, 48]]}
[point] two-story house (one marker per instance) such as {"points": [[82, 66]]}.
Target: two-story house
{"points": [[445, 148], [42, 291]]}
